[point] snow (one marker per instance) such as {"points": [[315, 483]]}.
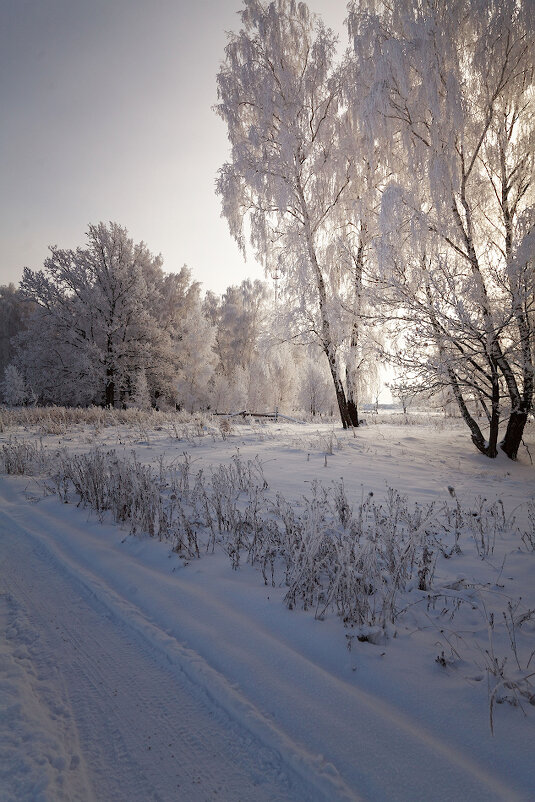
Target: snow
{"points": [[129, 673]]}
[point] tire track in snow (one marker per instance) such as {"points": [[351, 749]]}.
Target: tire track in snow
{"points": [[39, 745], [109, 700]]}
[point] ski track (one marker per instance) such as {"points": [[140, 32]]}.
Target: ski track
{"points": [[138, 715]]}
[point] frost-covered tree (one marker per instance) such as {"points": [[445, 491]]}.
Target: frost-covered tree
{"points": [[283, 377], [261, 391], [195, 357], [14, 312], [141, 396], [181, 316], [14, 387], [239, 318], [57, 369], [404, 393], [289, 178], [229, 396], [449, 96], [95, 331]]}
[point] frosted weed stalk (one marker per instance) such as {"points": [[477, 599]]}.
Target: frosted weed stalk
{"points": [[55, 420], [506, 683], [528, 537], [324, 443]]}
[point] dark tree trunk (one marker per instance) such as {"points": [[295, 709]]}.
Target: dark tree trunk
{"points": [[339, 390], [351, 380], [492, 446], [352, 372], [488, 448], [110, 394], [352, 411], [521, 401], [110, 388], [110, 364], [514, 433], [520, 405]]}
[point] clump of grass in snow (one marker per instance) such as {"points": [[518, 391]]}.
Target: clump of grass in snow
{"points": [[21, 458]]}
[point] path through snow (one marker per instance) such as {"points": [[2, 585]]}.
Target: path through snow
{"points": [[94, 712]]}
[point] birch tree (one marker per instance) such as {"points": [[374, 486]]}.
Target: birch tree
{"points": [[288, 181], [450, 96]]}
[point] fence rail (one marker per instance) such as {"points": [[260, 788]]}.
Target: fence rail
{"points": [[276, 416]]}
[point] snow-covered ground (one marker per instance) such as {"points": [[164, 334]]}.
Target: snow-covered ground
{"points": [[129, 673]]}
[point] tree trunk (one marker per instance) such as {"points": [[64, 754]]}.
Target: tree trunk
{"points": [[110, 389], [326, 335], [352, 372], [521, 402], [492, 450], [351, 380], [488, 448], [514, 432], [352, 411], [338, 389]]}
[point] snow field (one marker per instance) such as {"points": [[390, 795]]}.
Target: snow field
{"points": [[383, 709]]}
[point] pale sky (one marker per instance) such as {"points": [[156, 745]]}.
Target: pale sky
{"points": [[106, 114]]}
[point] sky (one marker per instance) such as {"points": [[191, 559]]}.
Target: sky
{"points": [[107, 115]]}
